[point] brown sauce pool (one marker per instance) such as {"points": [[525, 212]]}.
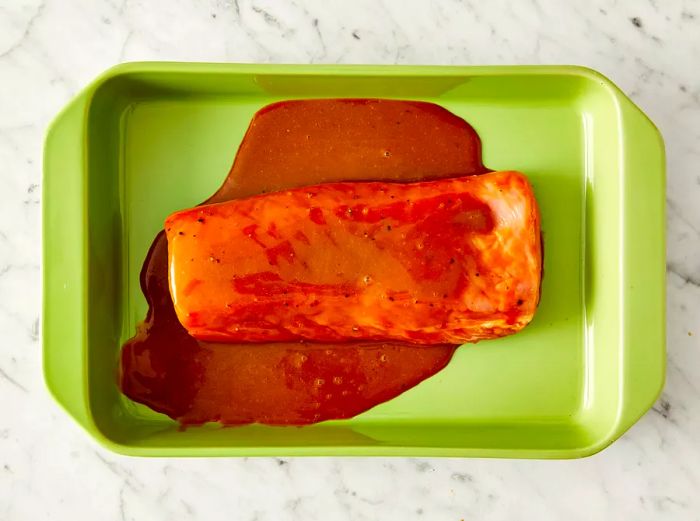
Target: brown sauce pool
{"points": [[291, 144]]}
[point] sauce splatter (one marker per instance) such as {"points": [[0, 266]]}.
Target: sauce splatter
{"points": [[292, 144]]}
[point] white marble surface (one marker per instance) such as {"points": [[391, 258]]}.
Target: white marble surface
{"points": [[49, 49]]}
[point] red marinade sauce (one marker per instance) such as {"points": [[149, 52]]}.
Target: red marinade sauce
{"points": [[291, 144]]}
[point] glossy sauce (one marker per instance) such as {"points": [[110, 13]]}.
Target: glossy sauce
{"points": [[292, 144], [444, 261]]}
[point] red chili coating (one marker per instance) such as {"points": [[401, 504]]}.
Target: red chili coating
{"points": [[448, 261]]}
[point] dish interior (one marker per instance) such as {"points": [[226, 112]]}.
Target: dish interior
{"points": [[159, 142]]}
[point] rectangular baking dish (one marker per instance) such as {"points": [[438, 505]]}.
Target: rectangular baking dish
{"points": [[146, 139]]}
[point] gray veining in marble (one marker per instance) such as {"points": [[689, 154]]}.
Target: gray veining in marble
{"points": [[49, 49]]}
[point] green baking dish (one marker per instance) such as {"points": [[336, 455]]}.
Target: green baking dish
{"points": [[146, 139]]}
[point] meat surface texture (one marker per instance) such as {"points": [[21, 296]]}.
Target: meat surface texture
{"points": [[437, 262]]}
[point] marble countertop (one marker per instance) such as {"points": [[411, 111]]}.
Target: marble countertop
{"points": [[49, 49]]}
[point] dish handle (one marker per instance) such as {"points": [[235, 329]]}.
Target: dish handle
{"points": [[64, 313], [644, 268]]}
